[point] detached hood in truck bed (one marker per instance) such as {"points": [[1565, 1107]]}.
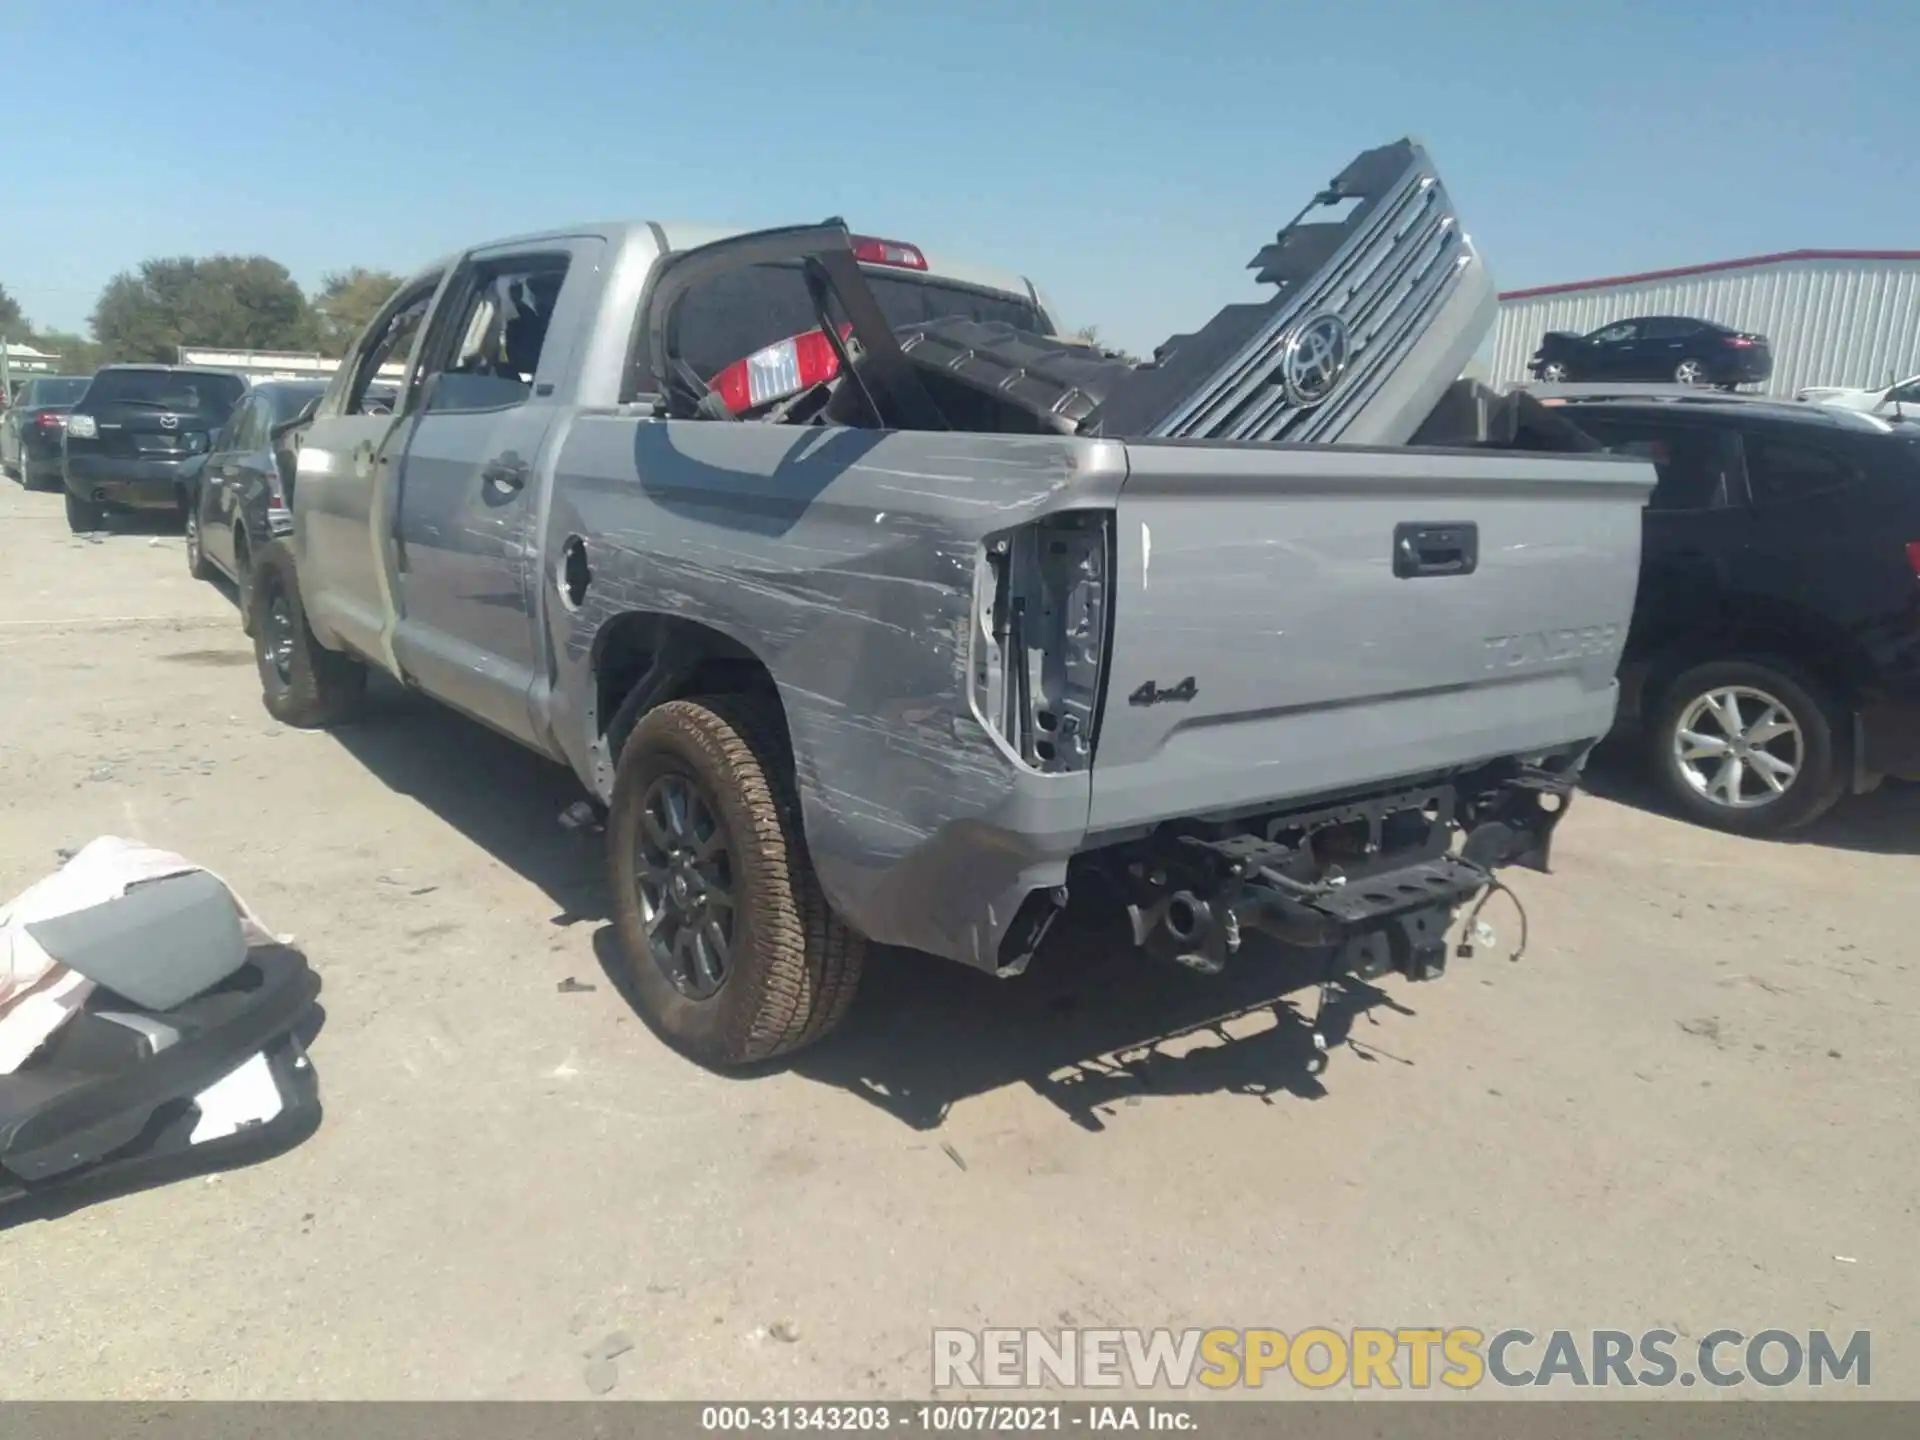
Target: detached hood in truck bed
{"points": [[1374, 315]]}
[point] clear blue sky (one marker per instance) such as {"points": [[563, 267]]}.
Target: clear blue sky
{"points": [[1130, 156]]}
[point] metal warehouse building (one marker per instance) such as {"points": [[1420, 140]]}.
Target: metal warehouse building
{"points": [[1835, 317]]}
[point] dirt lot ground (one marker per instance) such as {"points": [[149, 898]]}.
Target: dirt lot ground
{"points": [[1691, 1104]]}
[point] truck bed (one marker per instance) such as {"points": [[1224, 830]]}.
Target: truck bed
{"points": [[863, 570]]}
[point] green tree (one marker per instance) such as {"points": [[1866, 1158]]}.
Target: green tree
{"points": [[239, 302], [13, 324], [347, 302]]}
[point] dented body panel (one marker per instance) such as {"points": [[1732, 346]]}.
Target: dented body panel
{"points": [[844, 561]]}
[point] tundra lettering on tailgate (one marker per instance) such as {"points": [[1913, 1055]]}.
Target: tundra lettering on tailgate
{"points": [[1548, 647]]}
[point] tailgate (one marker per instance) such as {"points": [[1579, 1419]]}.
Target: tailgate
{"points": [[1264, 647]]}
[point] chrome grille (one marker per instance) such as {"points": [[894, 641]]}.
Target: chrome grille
{"points": [[1402, 260]]}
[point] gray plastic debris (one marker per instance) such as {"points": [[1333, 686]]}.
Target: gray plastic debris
{"points": [[160, 944], [578, 816]]}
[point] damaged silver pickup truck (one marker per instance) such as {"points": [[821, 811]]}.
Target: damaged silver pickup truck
{"points": [[876, 615]]}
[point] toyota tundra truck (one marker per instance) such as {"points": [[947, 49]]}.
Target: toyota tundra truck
{"points": [[871, 611]]}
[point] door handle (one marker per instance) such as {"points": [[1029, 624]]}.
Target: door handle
{"points": [[1431, 550], [504, 472]]}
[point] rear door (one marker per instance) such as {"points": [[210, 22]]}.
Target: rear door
{"points": [[1696, 536], [220, 478], [1297, 620], [346, 470], [1827, 540], [467, 554], [253, 477], [1663, 344]]}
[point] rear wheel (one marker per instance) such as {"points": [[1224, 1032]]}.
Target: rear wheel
{"points": [[83, 516], [302, 683], [243, 577], [1554, 372], [1689, 372], [1749, 746], [197, 565], [733, 952]]}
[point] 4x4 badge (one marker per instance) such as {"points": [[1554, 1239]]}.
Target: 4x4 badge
{"points": [[1151, 694]]}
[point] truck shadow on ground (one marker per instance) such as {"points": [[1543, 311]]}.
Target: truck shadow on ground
{"points": [[1092, 1026], [503, 798], [1886, 822]]}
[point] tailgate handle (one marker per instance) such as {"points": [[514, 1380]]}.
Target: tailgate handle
{"points": [[1421, 550]]}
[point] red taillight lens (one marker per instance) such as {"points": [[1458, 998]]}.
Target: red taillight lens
{"points": [[49, 420], [888, 252], [778, 371], [1740, 342], [1913, 557]]}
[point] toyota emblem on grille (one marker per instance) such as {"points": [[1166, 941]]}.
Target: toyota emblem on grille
{"points": [[1315, 359], [169, 422]]}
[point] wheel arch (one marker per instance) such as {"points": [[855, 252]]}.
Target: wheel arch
{"points": [[643, 659], [1760, 631]]}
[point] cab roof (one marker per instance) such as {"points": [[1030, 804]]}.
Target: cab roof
{"points": [[677, 235]]}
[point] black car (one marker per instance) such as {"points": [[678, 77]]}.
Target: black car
{"points": [[1662, 349], [31, 427], [1773, 661], [239, 492], [133, 433]]}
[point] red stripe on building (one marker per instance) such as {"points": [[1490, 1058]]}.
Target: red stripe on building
{"points": [[1747, 264]]}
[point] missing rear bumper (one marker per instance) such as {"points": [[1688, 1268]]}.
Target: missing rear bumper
{"points": [[1375, 881]]}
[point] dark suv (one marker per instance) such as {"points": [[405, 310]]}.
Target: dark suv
{"points": [[132, 433], [31, 426], [1773, 662]]}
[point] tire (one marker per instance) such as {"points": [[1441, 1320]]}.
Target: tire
{"points": [[243, 577], [790, 965], [1555, 372], [302, 683], [197, 566], [1702, 789], [1690, 371], [83, 516]]}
